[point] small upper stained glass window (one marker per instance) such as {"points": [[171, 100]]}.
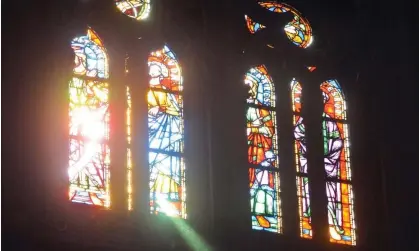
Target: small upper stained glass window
{"points": [[252, 25], [298, 30], [137, 9]]}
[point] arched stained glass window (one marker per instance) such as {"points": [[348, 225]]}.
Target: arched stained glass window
{"points": [[300, 149], [89, 156], [166, 135], [298, 30], [337, 165], [137, 9], [262, 140]]}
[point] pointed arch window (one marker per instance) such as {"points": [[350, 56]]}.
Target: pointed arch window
{"points": [[89, 151], [337, 165], [300, 149], [262, 140], [166, 134]]}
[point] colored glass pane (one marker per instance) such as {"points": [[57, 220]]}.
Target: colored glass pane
{"points": [[252, 25], [137, 9], [300, 150], [89, 156], [264, 202], [262, 141], [337, 165], [299, 29], [91, 59], [334, 103], [311, 68], [166, 135]]}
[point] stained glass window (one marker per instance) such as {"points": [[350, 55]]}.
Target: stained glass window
{"points": [[137, 9], [129, 136], [262, 140], [299, 29], [300, 149], [129, 153], [89, 152], [166, 135], [252, 25], [337, 165]]}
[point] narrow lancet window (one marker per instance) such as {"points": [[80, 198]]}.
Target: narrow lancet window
{"points": [[262, 140], [300, 149], [337, 164], [89, 151], [166, 135]]}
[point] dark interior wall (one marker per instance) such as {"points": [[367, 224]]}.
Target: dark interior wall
{"points": [[209, 39]]}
